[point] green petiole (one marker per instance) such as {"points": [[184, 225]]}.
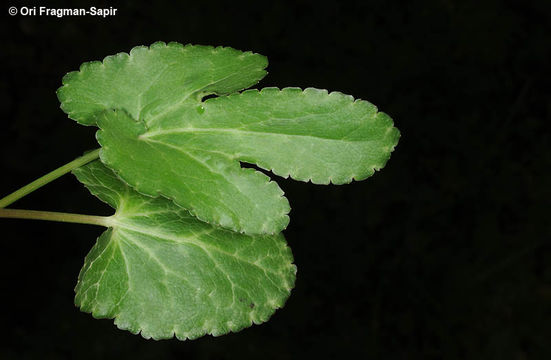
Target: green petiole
{"points": [[38, 183], [56, 216]]}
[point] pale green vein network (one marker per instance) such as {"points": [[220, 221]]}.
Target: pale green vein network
{"points": [[159, 136], [151, 80], [161, 272], [309, 135]]}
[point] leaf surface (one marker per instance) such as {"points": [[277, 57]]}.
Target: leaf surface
{"points": [[309, 135], [151, 80], [161, 272], [190, 150]]}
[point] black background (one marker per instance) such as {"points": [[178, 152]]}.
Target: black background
{"points": [[444, 254]]}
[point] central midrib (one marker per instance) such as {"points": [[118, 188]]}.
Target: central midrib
{"points": [[153, 134]]}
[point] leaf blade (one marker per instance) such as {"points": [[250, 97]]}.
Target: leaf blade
{"points": [[173, 144], [210, 186], [305, 134], [309, 135], [161, 272], [149, 80]]}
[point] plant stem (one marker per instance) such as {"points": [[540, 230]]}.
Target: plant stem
{"points": [[56, 216], [25, 190]]}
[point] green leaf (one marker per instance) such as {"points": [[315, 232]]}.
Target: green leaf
{"points": [[193, 157], [189, 150], [154, 79], [214, 188], [159, 271], [309, 135]]}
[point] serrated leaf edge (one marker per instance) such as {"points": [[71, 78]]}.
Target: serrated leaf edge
{"points": [[392, 131], [284, 216], [127, 56], [275, 304]]}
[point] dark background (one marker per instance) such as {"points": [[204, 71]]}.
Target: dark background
{"points": [[444, 254]]}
